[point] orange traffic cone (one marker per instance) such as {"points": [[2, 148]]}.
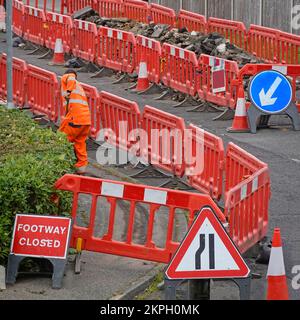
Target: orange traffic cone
{"points": [[143, 82], [59, 56], [277, 284], [240, 121]]}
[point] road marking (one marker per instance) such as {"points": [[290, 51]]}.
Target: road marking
{"points": [[296, 160]]}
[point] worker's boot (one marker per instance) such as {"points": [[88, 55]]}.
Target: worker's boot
{"points": [[81, 170]]}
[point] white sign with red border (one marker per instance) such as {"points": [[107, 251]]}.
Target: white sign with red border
{"points": [[41, 236], [207, 252]]}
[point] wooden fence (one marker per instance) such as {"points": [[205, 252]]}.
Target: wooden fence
{"points": [[277, 14]]}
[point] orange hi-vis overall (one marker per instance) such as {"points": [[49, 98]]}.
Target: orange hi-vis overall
{"points": [[77, 122]]}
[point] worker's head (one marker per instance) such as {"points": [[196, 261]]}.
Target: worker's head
{"points": [[71, 71]]}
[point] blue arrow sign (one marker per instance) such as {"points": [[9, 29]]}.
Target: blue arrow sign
{"points": [[271, 92]]}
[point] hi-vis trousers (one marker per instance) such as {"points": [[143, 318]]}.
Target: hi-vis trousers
{"points": [[77, 134]]}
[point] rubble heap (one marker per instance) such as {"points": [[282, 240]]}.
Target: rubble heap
{"points": [[212, 44]]}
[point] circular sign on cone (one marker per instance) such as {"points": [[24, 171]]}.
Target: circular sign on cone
{"points": [[271, 92]]}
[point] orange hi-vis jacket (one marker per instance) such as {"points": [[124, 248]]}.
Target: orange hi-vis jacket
{"points": [[78, 111]]}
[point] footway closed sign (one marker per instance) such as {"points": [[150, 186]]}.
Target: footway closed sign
{"points": [[41, 236]]}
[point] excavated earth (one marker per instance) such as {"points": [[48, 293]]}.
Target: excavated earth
{"points": [[212, 44]]}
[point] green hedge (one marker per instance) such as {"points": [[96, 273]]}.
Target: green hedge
{"points": [[31, 160]]}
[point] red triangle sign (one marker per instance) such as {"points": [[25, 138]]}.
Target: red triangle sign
{"points": [[207, 252]]}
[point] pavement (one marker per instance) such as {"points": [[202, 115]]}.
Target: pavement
{"points": [[278, 146]]}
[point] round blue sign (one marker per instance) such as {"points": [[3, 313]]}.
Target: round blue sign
{"points": [[271, 92]]}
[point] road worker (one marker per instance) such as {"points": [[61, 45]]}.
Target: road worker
{"points": [[77, 122]]}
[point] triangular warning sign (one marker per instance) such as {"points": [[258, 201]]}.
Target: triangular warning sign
{"points": [[207, 252]]}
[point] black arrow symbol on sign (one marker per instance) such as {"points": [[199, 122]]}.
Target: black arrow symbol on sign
{"points": [[199, 252], [201, 249]]}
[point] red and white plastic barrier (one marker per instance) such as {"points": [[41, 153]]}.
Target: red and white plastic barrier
{"points": [[152, 50], [214, 80], [136, 195], [59, 25], [163, 15], [109, 8], [75, 5], [137, 10], [247, 207], [116, 49], [209, 178], [34, 25], [240, 165], [288, 48], [20, 71], [179, 69], [235, 31], [43, 92], [47, 4], [93, 98], [192, 21], [121, 120], [85, 40], [18, 18], [164, 147], [263, 43]]}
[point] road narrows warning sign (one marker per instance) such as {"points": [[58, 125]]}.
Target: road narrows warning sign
{"points": [[207, 252]]}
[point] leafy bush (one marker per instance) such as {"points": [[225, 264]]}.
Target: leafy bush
{"points": [[31, 160]]}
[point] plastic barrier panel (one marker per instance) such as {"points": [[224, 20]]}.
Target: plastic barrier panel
{"points": [[289, 48], [291, 71], [85, 40], [247, 209], [94, 105], [210, 179], [163, 15], [140, 199], [43, 92], [18, 18], [3, 19], [192, 21], [109, 8], [240, 165], [235, 31], [207, 89], [59, 25], [19, 80], [152, 49], [137, 10], [75, 5], [163, 145], [179, 69], [34, 25], [262, 42], [116, 49], [46, 4], [119, 118]]}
